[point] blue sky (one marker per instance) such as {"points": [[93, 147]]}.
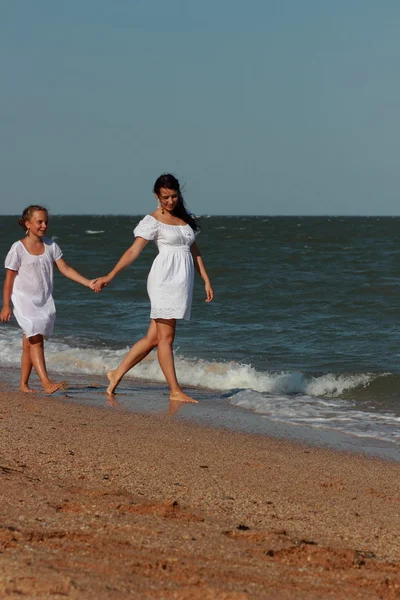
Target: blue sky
{"points": [[259, 107]]}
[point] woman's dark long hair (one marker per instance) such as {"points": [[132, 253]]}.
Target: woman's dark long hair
{"points": [[169, 182]]}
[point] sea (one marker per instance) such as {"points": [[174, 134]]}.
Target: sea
{"points": [[303, 333]]}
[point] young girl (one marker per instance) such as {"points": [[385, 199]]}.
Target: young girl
{"points": [[29, 284], [170, 281]]}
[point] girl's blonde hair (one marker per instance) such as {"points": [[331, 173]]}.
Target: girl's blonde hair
{"points": [[28, 212]]}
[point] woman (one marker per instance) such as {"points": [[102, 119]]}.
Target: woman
{"points": [[170, 281]]}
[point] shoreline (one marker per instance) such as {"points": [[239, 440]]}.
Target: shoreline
{"points": [[147, 396], [119, 504]]}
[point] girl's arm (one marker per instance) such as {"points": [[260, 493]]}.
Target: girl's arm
{"points": [[69, 272], [6, 312], [201, 269], [126, 259]]}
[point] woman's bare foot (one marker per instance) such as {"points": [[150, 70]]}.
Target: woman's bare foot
{"points": [[114, 381], [51, 387], [24, 387], [182, 397]]}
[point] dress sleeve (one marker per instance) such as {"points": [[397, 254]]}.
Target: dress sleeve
{"points": [[57, 252], [13, 258], [147, 228]]}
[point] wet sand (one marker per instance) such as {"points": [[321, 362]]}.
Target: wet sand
{"points": [[105, 503]]}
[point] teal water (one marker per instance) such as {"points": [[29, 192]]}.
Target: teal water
{"points": [[304, 328]]}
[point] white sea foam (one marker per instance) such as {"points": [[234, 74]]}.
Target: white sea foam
{"points": [[215, 375], [92, 232]]}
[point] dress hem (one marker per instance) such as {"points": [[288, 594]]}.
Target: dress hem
{"points": [[180, 318], [46, 336]]}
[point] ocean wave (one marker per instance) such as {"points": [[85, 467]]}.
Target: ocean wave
{"points": [[223, 376]]}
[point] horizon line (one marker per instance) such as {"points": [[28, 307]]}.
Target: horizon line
{"points": [[209, 216]]}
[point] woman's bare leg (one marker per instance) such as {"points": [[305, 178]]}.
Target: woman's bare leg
{"points": [[26, 366], [166, 335], [137, 353], [36, 347]]}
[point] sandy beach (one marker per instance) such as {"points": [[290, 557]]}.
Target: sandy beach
{"points": [[105, 503]]}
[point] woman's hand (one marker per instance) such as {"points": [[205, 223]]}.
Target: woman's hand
{"points": [[209, 292], [5, 314]]}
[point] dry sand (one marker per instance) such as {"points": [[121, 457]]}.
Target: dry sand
{"points": [[101, 503]]}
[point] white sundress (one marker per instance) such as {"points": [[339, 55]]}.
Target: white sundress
{"points": [[32, 298], [170, 281]]}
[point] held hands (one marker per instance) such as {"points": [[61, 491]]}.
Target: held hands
{"points": [[99, 283], [5, 314]]}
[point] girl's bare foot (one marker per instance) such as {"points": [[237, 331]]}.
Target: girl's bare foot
{"points": [[24, 387], [51, 387], [114, 381], [182, 397]]}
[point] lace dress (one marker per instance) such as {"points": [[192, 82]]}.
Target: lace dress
{"points": [[170, 281], [32, 292]]}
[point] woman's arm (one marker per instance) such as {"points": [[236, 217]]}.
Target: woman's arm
{"points": [[202, 271], [6, 312], [126, 259], [69, 272]]}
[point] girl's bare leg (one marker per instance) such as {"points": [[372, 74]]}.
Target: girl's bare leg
{"points": [[137, 353], [26, 366], [36, 345], [166, 335]]}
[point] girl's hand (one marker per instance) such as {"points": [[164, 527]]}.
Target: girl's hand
{"points": [[209, 292], [92, 284], [6, 314]]}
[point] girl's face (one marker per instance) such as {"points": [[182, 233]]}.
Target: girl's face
{"points": [[168, 198], [37, 224]]}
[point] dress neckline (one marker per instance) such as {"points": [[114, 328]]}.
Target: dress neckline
{"points": [[167, 224], [30, 253]]}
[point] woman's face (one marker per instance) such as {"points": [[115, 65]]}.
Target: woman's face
{"points": [[168, 198]]}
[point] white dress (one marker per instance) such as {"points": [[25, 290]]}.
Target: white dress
{"points": [[31, 296], [170, 281]]}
